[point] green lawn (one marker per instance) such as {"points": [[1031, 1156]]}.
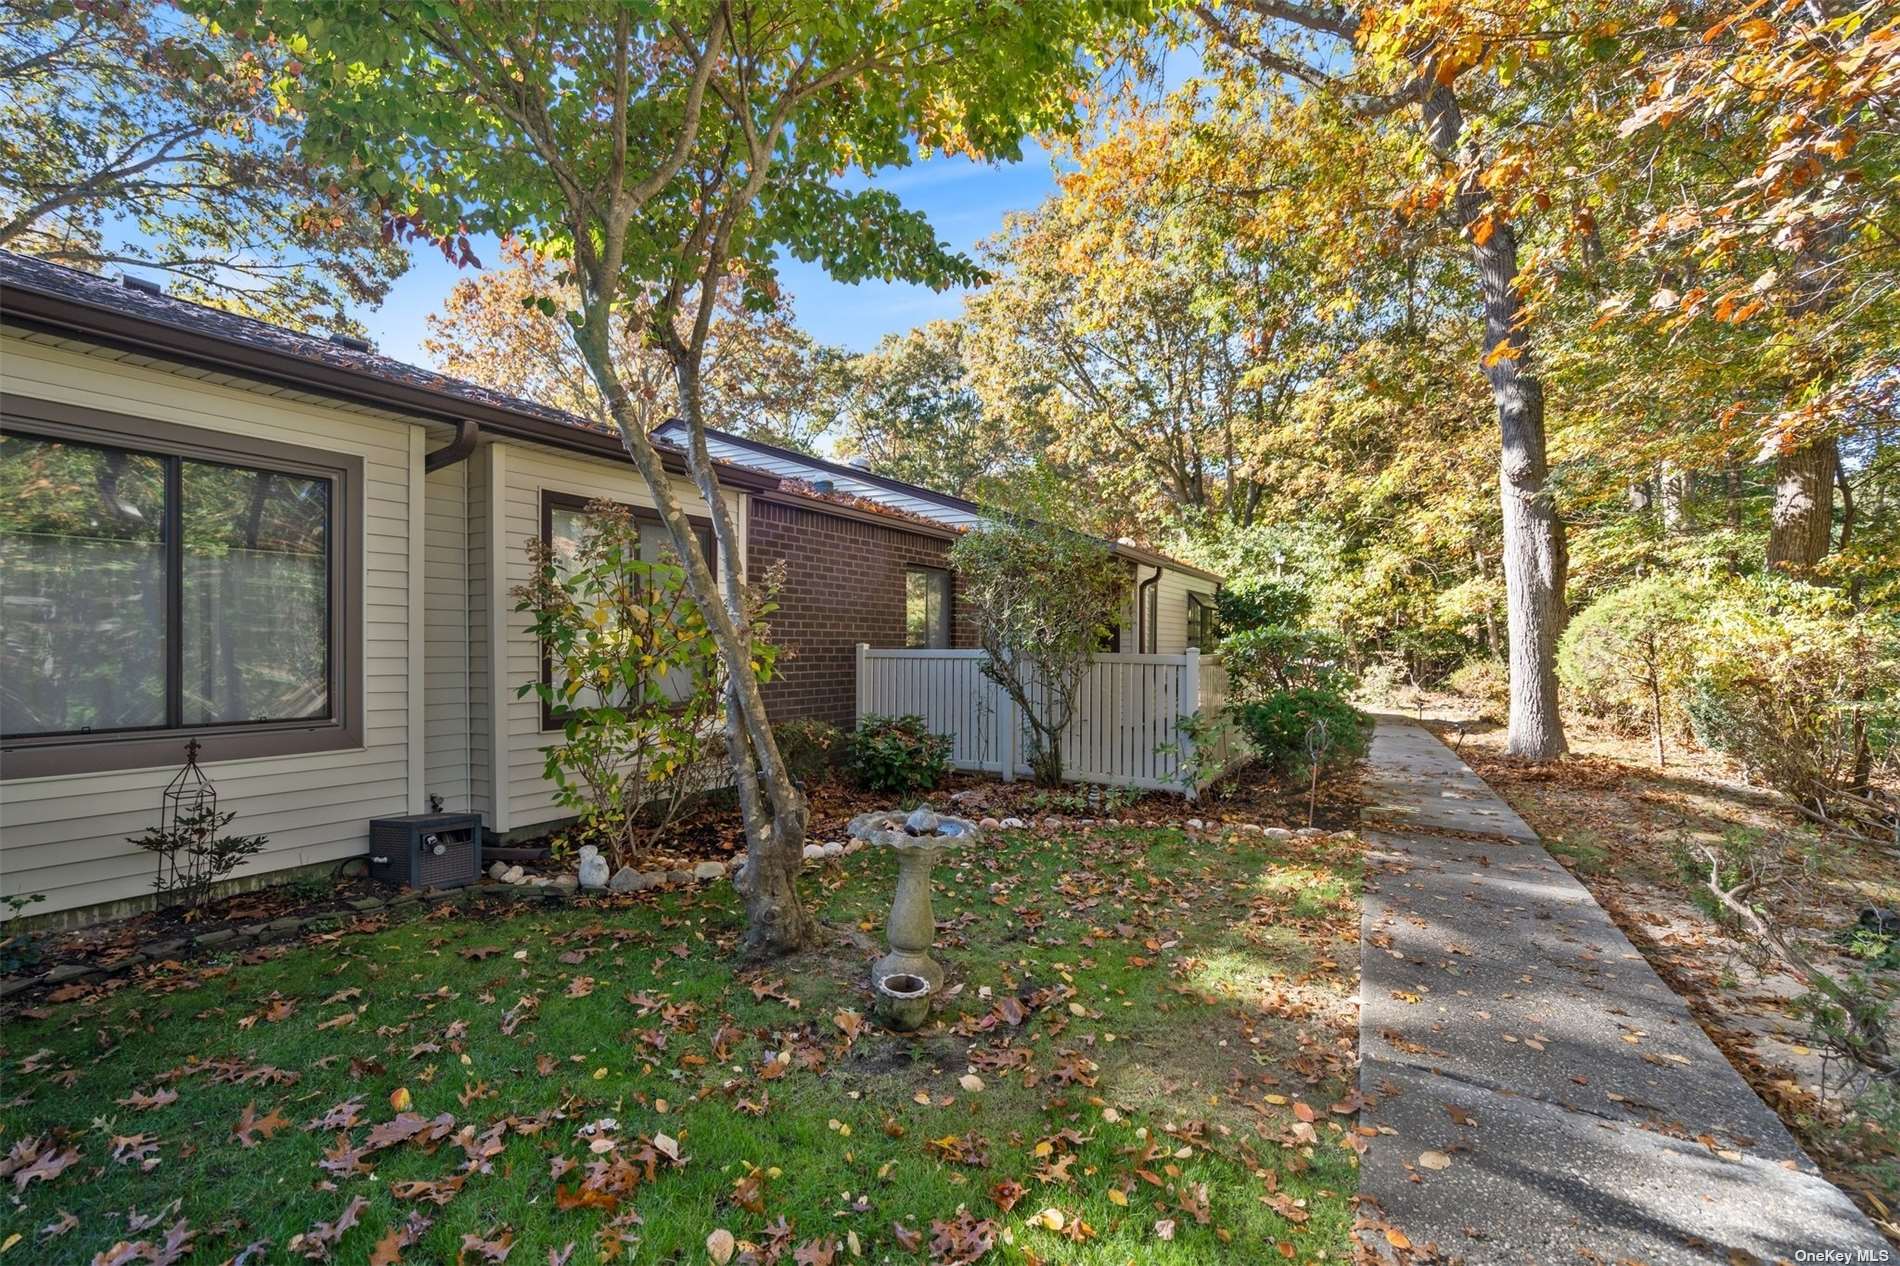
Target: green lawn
{"points": [[1183, 1034]]}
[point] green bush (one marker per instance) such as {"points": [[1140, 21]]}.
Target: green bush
{"points": [[1626, 658], [1291, 729], [896, 755], [1796, 685], [1486, 682], [1273, 659], [812, 750], [1253, 604]]}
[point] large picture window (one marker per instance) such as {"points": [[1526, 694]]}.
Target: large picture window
{"points": [[147, 591], [564, 525], [926, 608]]}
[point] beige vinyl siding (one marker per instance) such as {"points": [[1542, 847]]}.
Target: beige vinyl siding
{"points": [[1174, 588], [66, 836], [527, 472], [446, 621]]}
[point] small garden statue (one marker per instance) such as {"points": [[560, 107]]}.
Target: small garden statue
{"points": [[593, 868], [907, 977]]}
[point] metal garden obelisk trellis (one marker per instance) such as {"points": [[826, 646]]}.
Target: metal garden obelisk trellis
{"points": [[189, 802]]}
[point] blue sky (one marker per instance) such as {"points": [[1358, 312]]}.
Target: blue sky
{"points": [[965, 201]]}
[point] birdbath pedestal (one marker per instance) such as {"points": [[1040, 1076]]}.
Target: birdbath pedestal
{"points": [[917, 839]]}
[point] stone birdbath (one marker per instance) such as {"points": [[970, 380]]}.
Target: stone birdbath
{"points": [[907, 977]]}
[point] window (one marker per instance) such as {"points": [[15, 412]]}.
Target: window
{"points": [[564, 525], [157, 583], [1200, 622], [926, 608]]}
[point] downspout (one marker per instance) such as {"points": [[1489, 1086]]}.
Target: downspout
{"points": [[1141, 611], [456, 450]]}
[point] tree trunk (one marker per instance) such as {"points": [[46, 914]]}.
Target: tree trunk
{"points": [[1802, 524], [1535, 560], [1674, 484], [776, 920]]}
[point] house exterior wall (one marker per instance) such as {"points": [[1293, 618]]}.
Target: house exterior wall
{"points": [[65, 836], [513, 478], [1172, 594], [843, 584]]}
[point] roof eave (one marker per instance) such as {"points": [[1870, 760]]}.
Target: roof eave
{"points": [[63, 315]]}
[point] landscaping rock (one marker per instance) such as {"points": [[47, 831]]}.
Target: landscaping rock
{"points": [[513, 875], [990, 824], [219, 937], [710, 870], [832, 849], [678, 877], [499, 871], [567, 884], [1012, 824], [67, 971], [592, 869], [364, 905], [1195, 824], [13, 984], [814, 852], [647, 879], [1277, 833], [625, 880], [162, 949]]}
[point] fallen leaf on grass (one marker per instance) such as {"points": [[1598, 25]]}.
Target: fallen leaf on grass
{"points": [[388, 1250], [494, 1250], [250, 1124]]}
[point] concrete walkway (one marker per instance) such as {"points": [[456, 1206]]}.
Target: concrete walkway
{"points": [[1541, 1095]]}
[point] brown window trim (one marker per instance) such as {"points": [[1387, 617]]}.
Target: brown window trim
{"points": [[950, 604], [64, 754], [552, 501]]}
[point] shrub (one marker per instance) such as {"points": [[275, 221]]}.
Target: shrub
{"points": [[1295, 730], [897, 755], [811, 750], [1797, 686], [1273, 659], [1486, 682], [635, 683], [1627, 656], [1042, 597], [1253, 604], [194, 854]]}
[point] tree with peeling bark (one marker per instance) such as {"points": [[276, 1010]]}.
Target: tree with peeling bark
{"points": [[657, 151]]}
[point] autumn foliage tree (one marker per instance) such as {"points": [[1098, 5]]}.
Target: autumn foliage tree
{"points": [[657, 152], [760, 367], [133, 136]]}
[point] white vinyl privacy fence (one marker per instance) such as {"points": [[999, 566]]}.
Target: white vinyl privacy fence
{"points": [[1129, 728]]}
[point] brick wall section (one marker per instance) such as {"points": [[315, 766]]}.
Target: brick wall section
{"points": [[844, 584]]}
